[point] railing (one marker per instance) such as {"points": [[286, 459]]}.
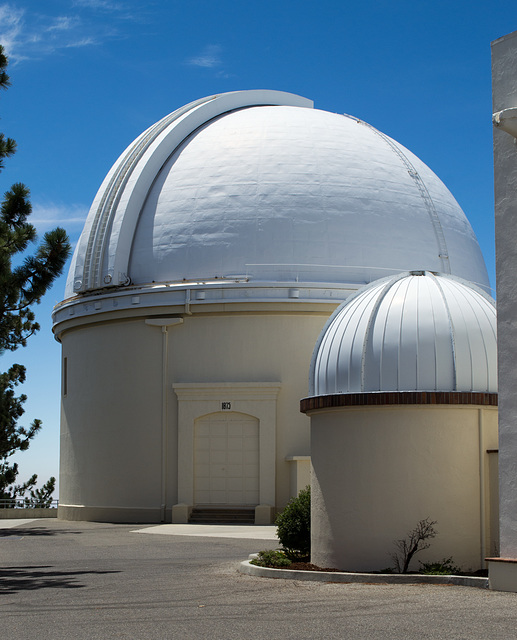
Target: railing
{"points": [[28, 503]]}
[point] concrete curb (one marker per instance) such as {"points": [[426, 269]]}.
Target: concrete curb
{"points": [[365, 578]]}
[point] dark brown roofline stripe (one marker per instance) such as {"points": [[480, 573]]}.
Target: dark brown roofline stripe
{"points": [[378, 398]]}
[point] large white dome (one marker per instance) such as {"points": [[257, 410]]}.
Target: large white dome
{"points": [[259, 184], [413, 332]]}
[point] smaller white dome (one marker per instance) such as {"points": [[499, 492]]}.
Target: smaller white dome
{"points": [[417, 331]]}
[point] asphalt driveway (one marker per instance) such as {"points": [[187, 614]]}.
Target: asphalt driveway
{"points": [[69, 580]]}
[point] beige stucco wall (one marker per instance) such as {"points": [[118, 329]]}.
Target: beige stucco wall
{"points": [[377, 471], [112, 460], [300, 470], [110, 436]]}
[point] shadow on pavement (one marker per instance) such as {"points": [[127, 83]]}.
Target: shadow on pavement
{"points": [[30, 578], [16, 532]]}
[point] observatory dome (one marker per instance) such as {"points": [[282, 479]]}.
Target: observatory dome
{"points": [[259, 185], [417, 331]]}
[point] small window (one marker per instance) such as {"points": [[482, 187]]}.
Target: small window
{"points": [[65, 376]]}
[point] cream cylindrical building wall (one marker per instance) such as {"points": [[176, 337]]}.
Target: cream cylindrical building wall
{"points": [[378, 470], [112, 415], [110, 422]]}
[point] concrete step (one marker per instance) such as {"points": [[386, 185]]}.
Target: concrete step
{"points": [[222, 515]]}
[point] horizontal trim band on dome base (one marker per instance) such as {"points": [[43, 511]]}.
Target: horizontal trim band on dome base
{"points": [[379, 398], [190, 297]]}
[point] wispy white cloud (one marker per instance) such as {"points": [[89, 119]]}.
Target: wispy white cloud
{"points": [[103, 5], [224, 74], [28, 35], [83, 42], [208, 58], [11, 21], [64, 23], [46, 216]]}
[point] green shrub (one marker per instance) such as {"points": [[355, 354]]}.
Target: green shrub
{"points": [[443, 568], [294, 527], [271, 558]]}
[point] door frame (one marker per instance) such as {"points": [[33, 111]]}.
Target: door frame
{"points": [[256, 399]]}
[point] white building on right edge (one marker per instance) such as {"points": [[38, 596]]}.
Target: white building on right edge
{"points": [[503, 570]]}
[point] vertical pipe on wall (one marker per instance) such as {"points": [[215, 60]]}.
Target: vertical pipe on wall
{"points": [[164, 324], [187, 302], [165, 345]]}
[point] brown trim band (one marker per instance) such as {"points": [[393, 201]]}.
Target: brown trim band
{"points": [[378, 398], [510, 560]]}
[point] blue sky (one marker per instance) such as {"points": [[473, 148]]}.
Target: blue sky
{"points": [[89, 75]]}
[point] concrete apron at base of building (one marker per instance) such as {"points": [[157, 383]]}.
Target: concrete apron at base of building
{"points": [[178, 514], [112, 514], [23, 514]]}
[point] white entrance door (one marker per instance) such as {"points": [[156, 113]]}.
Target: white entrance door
{"points": [[226, 459]]}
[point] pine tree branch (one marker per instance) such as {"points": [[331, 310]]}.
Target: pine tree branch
{"points": [[21, 288]]}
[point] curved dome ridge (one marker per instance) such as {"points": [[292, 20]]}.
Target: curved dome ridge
{"points": [[150, 149], [418, 331], [423, 191], [118, 177]]}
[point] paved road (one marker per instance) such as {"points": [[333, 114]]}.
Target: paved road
{"points": [[66, 580]]}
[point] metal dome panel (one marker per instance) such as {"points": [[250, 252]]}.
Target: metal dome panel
{"points": [[418, 331], [259, 184]]}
